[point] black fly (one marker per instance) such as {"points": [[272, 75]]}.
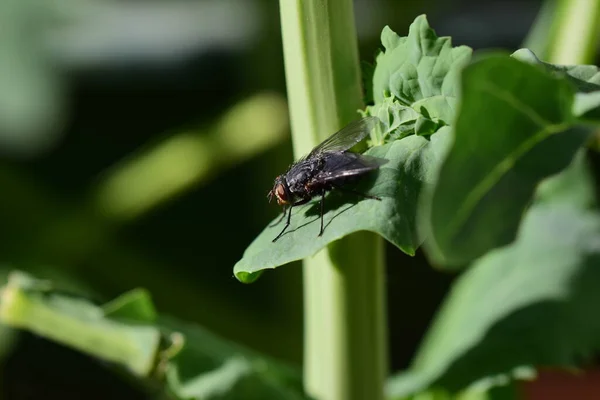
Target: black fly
{"points": [[328, 166]]}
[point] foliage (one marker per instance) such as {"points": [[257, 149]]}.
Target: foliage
{"points": [[504, 133], [398, 183], [425, 105], [530, 303], [513, 205], [415, 82], [511, 126], [189, 361], [487, 167]]}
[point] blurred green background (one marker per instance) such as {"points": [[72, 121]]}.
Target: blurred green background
{"points": [[138, 141]]}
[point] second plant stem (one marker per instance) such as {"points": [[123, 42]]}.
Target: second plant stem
{"points": [[345, 343]]}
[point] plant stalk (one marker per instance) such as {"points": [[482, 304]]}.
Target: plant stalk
{"points": [[574, 32], [79, 325], [345, 328]]}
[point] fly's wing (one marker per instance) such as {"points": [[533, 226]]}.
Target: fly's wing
{"points": [[346, 137], [344, 165]]}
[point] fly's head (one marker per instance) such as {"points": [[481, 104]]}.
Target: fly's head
{"points": [[280, 191]]}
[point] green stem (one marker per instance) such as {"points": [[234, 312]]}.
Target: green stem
{"points": [[77, 324], [575, 32], [538, 38], [345, 343]]}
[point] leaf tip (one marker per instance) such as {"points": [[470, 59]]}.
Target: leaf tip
{"points": [[247, 277], [526, 56], [389, 38]]}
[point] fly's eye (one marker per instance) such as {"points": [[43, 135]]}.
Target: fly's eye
{"points": [[281, 194]]}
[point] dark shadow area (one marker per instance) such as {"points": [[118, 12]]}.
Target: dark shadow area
{"points": [[40, 369]]}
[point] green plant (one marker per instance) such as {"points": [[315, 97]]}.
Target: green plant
{"points": [[487, 170], [480, 157]]}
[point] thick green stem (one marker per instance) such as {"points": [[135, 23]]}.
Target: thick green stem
{"points": [[345, 343], [575, 32]]}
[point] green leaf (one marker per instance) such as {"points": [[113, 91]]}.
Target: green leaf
{"points": [[398, 120], [196, 365], [587, 106], [533, 303], [398, 183], [492, 388], [420, 72], [209, 367], [27, 303], [135, 305], [426, 125], [415, 84], [586, 78], [515, 128]]}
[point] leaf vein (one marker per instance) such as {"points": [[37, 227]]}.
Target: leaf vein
{"points": [[514, 101], [494, 176]]}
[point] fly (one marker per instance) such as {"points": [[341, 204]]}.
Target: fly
{"points": [[327, 167]]}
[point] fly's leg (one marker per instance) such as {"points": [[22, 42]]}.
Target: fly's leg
{"points": [[298, 203], [280, 219], [286, 224], [322, 208]]}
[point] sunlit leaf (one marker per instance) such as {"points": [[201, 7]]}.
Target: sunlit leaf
{"points": [[420, 72]]}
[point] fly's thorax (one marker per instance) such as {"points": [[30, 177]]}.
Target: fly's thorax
{"points": [[299, 174]]}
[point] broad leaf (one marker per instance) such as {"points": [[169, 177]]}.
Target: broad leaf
{"points": [[534, 302], [398, 183], [419, 74], [515, 128]]}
